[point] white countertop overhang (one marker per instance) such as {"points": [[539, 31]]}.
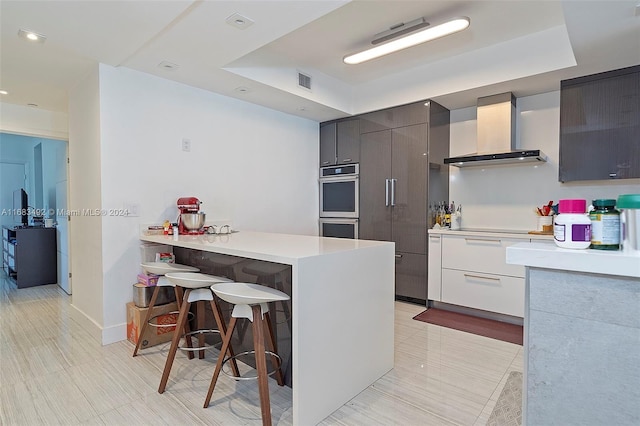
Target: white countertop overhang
{"points": [[541, 255], [280, 248]]}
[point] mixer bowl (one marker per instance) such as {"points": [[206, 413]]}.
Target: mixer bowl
{"points": [[193, 221]]}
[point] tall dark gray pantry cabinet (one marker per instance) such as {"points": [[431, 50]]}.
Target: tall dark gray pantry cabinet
{"points": [[402, 171]]}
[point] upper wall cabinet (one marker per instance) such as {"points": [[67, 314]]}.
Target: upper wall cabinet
{"points": [[340, 142], [327, 144], [600, 126], [391, 118]]}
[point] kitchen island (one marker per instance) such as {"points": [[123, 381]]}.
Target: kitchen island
{"points": [[581, 335], [342, 310]]}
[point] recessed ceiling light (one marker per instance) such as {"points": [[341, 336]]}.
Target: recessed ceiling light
{"points": [[169, 66], [31, 36], [32, 105], [3, 92], [239, 21], [242, 89]]}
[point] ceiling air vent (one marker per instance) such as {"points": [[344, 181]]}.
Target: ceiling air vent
{"points": [[304, 80]]}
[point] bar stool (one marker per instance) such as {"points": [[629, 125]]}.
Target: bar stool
{"points": [[271, 275], [251, 302], [158, 268], [197, 288]]}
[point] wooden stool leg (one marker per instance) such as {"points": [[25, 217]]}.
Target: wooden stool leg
{"points": [[217, 313], [147, 317], [182, 318], [187, 328], [273, 347], [226, 341], [200, 315], [261, 365]]}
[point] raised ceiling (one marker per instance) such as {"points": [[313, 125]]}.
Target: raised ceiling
{"points": [[525, 47]]}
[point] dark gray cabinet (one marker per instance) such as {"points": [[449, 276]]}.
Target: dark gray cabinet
{"points": [[327, 144], [30, 255], [390, 118], [340, 142], [396, 169], [600, 126]]}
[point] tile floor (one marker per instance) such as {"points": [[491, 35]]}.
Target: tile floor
{"points": [[52, 372]]}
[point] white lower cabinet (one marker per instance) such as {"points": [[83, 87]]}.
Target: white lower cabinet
{"points": [[434, 283], [469, 269], [494, 293]]}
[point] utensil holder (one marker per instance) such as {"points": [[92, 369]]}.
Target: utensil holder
{"points": [[545, 223]]}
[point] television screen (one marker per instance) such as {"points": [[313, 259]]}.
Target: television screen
{"points": [[20, 207]]}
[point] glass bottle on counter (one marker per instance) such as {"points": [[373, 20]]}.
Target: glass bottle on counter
{"points": [[605, 225]]}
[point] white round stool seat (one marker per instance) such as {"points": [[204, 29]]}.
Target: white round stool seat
{"points": [[195, 279], [161, 268], [247, 293]]}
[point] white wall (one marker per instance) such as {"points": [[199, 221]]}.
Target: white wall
{"points": [[248, 164], [33, 121], [18, 149], [503, 197], [85, 232]]}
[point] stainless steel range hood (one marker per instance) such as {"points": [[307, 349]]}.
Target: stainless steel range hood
{"points": [[497, 135]]}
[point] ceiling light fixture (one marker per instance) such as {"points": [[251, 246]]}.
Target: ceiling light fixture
{"points": [[168, 66], [3, 92], [412, 39], [31, 36], [239, 21]]}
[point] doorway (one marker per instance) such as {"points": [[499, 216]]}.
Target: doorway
{"points": [[38, 165]]}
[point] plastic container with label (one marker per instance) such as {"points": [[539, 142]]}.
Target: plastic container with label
{"points": [[572, 226], [605, 225], [630, 223]]}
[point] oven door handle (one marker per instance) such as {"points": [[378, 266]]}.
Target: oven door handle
{"points": [[386, 192]]}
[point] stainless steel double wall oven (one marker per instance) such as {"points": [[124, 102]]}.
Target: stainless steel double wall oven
{"points": [[339, 201]]}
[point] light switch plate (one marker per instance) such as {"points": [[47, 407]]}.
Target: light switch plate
{"points": [[186, 145]]}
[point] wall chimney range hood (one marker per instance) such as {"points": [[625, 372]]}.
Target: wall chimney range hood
{"points": [[496, 136]]}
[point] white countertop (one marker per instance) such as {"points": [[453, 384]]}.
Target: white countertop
{"points": [[281, 248], [493, 233], [549, 256]]}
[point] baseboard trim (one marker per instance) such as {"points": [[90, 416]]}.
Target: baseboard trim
{"points": [[115, 333], [104, 336], [86, 322]]}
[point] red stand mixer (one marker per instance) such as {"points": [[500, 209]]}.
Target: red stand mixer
{"points": [[190, 206]]}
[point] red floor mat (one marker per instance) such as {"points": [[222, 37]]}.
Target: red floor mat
{"points": [[481, 326]]}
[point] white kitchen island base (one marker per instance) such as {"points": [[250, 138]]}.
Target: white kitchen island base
{"points": [[342, 310]]}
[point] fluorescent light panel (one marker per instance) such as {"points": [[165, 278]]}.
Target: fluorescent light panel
{"points": [[428, 34]]}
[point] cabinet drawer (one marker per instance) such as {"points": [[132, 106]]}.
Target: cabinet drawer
{"points": [[481, 254], [494, 293]]}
